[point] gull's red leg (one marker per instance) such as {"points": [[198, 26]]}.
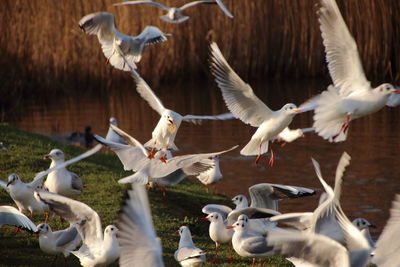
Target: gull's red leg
{"points": [[230, 258], [214, 260], [344, 126], [259, 153], [272, 159], [254, 262]]}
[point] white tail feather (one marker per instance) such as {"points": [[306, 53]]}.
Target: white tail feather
{"points": [[253, 148]]}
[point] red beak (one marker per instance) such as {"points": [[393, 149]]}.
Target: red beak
{"points": [[230, 227], [298, 111], [176, 232], [204, 219], [171, 121], [396, 92]]}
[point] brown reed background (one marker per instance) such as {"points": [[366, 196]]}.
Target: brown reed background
{"points": [[43, 49]]}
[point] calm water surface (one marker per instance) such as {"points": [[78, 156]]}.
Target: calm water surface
{"points": [[370, 182]]}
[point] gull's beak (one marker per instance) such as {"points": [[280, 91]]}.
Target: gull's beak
{"points": [[396, 92], [9, 183], [171, 121], [46, 156], [204, 219], [298, 110], [230, 227], [176, 232]]}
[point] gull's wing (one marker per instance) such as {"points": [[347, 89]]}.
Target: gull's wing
{"points": [[356, 243], [130, 156], [153, 3], [152, 35], [100, 24], [256, 244], [344, 62], [66, 236], [343, 163], [4, 186], [252, 213], [195, 3], [224, 9], [387, 252], [289, 135], [137, 238], [172, 179], [12, 216], [186, 253], [40, 176], [197, 119], [300, 220], [87, 220], [313, 248], [238, 95], [394, 99], [131, 141], [145, 91], [221, 209]]}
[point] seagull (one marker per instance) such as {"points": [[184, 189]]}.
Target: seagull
{"points": [[246, 106], [11, 216], [351, 95], [135, 157], [211, 176], [163, 136], [54, 243], [247, 243], [174, 14], [288, 135], [98, 249], [219, 233], [112, 135], [62, 181], [137, 238], [115, 44], [187, 254], [363, 225]]}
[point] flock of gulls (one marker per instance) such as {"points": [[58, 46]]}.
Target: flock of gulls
{"points": [[255, 228]]}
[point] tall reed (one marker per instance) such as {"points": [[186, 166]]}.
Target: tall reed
{"points": [[43, 48]]}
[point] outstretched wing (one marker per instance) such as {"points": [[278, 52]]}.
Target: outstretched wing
{"points": [[238, 95], [221, 209], [100, 24], [11, 216], [341, 50], [152, 35], [137, 238], [197, 119], [153, 3], [195, 3]]}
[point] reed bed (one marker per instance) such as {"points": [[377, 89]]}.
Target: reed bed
{"points": [[44, 50]]}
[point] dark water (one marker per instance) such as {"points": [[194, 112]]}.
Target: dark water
{"points": [[370, 182]]}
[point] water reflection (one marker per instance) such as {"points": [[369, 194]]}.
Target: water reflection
{"points": [[370, 181]]}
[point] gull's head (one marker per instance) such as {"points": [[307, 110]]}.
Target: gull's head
{"points": [[110, 230], [169, 117], [362, 223], [56, 155], [113, 121], [290, 109], [12, 179], [241, 224], [386, 89], [240, 201], [43, 228], [214, 217], [184, 231]]}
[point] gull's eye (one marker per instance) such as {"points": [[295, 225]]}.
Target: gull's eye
{"points": [[216, 217], [247, 220], [240, 198], [242, 225], [212, 216], [237, 223]]}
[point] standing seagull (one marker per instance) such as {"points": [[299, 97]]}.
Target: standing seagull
{"points": [[246, 106], [97, 249], [187, 254], [351, 95], [114, 43], [174, 14], [163, 136]]}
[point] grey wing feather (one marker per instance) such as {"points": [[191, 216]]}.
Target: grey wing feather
{"points": [[172, 179], [66, 236], [252, 213], [100, 24], [76, 182], [224, 9], [198, 119], [195, 3], [137, 238], [262, 196], [256, 245], [153, 3], [11, 216], [293, 191], [299, 221], [221, 209]]}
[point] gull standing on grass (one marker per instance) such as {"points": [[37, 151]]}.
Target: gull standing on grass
{"points": [[113, 42], [351, 95], [139, 244], [98, 249], [187, 254], [246, 106], [174, 14], [163, 136]]}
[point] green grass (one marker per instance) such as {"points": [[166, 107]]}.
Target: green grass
{"points": [[102, 192]]}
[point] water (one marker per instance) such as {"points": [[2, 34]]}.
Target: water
{"points": [[370, 182]]}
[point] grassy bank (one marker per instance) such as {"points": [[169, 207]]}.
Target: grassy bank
{"points": [[99, 174]]}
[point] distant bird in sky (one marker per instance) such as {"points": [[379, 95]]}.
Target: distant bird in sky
{"points": [[163, 136], [98, 249], [351, 95], [113, 42], [174, 14], [246, 106], [187, 254]]}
